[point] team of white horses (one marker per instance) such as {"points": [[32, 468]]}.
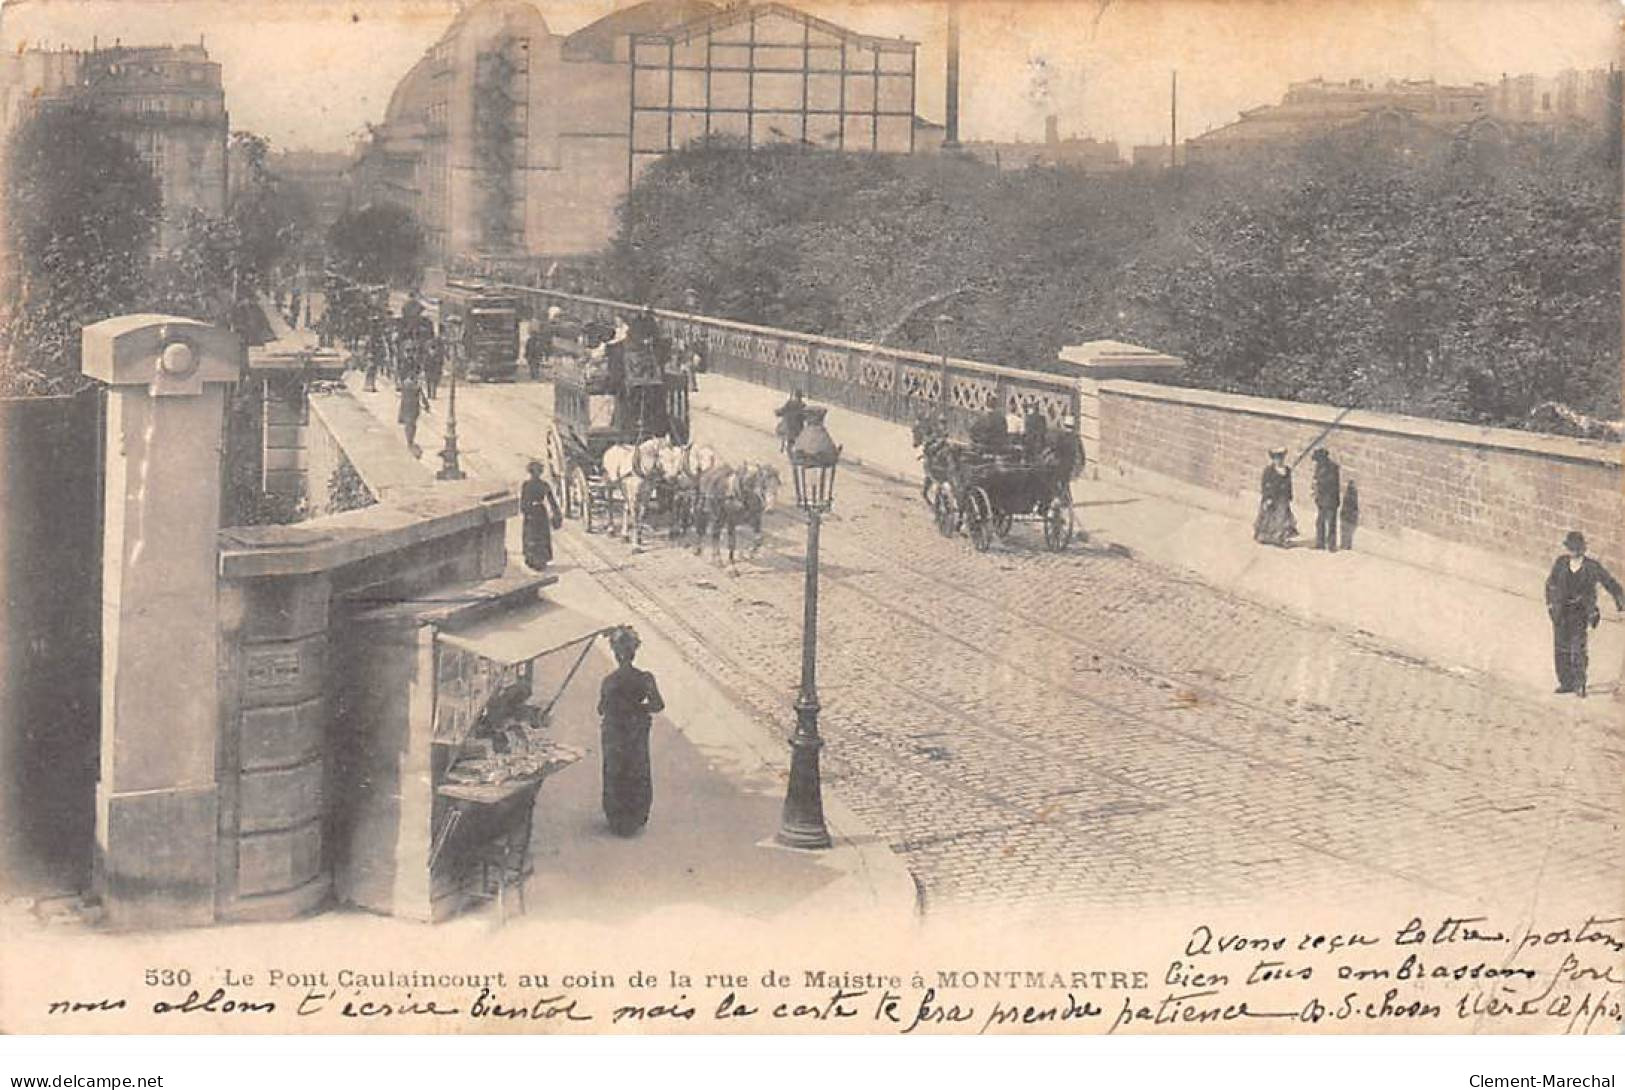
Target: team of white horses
{"points": [[703, 492]]}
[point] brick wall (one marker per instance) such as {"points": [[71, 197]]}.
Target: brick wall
{"points": [[1509, 493]]}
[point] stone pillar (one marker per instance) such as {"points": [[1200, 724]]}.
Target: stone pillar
{"points": [[156, 799], [1094, 362]]}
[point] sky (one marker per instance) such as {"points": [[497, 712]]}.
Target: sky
{"points": [[312, 73]]}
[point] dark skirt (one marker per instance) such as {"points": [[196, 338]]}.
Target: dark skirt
{"points": [[538, 541], [628, 787], [1275, 524]]}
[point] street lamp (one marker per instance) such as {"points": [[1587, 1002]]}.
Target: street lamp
{"points": [[939, 326], [813, 459], [450, 469]]}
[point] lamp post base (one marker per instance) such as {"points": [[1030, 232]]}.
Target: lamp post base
{"points": [[450, 462], [802, 825]]}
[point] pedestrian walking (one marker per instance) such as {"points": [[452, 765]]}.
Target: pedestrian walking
{"points": [[434, 360], [694, 363], [539, 345], [540, 511], [1275, 524], [413, 402], [1571, 602], [377, 354], [626, 701], [1328, 494]]}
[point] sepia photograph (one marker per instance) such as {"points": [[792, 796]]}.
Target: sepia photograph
{"points": [[734, 516]]}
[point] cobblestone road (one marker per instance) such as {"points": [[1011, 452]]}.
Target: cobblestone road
{"points": [[1089, 730]]}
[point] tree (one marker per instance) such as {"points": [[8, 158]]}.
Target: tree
{"points": [[83, 210], [1471, 279], [377, 244], [272, 215]]}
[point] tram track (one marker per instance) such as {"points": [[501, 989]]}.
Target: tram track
{"points": [[706, 654]]}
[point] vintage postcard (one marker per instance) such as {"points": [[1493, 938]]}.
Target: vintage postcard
{"points": [[739, 516]]}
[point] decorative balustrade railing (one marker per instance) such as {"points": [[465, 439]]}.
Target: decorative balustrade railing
{"points": [[890, 383]]}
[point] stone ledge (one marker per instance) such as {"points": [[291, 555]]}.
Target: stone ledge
{"points": [[1411, 427], [376, 450], [411, 516]]}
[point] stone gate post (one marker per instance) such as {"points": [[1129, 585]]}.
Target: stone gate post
{"points": [[156, 804]]}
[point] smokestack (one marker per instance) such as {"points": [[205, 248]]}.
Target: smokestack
{"points": [[952, 107], [1173, 121], [1052, 130]]}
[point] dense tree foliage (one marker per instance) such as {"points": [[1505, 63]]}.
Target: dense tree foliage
{"points": [[82, 210], [1474, 281], [377, 244]]}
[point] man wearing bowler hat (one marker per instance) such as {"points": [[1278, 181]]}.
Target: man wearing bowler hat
{"points": [[1571, 600]]}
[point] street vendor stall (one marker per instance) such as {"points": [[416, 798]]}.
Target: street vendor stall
{"points": [[446, 740]]}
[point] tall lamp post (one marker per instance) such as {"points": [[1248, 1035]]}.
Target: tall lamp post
{"points": [[813, 459], [450, 468], [939, 326]]}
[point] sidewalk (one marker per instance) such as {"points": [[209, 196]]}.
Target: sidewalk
{"points": [[719, 778], [1454, 622]]}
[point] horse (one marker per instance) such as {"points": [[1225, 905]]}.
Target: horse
{"points": [[730, 497], [931, 439], [680, 469], [632, 469]]}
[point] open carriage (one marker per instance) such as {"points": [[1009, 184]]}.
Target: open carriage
{"points": [[985, 486], [607, 399]]}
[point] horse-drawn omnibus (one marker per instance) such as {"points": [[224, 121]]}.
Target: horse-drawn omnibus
{"points": [[611, 396], [490, 321]]}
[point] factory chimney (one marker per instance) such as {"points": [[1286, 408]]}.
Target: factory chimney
{"points": [[952, 107]]}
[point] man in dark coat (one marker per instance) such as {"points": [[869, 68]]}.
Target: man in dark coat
{"points": [[1328, 494], [432, 348], [1571, 601], [538, 346], [413, 402]]}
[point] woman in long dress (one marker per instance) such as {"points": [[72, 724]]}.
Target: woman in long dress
{"points": [[1275, 524], [540, 511], [627, 700]]}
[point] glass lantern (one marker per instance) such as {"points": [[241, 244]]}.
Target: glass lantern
{"points": [[813, 459]]}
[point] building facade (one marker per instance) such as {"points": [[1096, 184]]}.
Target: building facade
{"points": [[166, 101], [1412, 112], [509, 141]]}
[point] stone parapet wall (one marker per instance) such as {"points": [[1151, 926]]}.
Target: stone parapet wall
{"points": [[285, 594], [1503, 492]]}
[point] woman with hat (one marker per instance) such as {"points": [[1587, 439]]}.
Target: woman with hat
{"points": [[1275, 524], [626, 701], [540, 511], [1571, 601]]}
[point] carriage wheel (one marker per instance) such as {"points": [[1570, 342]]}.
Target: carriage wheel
{"points": [[581, 495], [1002, 524], [1058, 523], [947, 511], [979, 519]]}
